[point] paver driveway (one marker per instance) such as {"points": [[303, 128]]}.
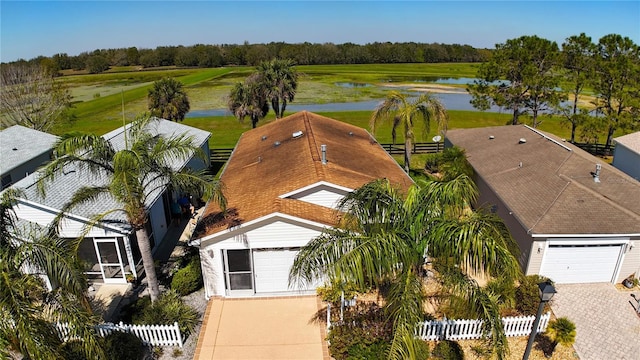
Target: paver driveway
{"points": [[606, 324], [263, 328]]}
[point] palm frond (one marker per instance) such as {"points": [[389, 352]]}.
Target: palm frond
{"points": [[480, 302]]}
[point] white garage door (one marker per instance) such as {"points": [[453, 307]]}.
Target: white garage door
{"points": [[568, 264], [271, 269]]}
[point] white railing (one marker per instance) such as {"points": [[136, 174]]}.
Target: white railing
{"points": [[156, 335], [472, 329]]}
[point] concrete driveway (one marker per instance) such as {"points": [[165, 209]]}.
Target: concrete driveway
{"points": [[607, 325], [263, 328]]}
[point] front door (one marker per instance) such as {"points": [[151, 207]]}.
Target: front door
{"points": [[110, 261], [238, 272]]}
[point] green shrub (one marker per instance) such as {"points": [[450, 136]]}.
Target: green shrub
{"points": [[528, 294], [449, 163], [504, 291], [168, 309], [332, 293], [120, 345], [562, 331], [373, 351], [364, 334], [188, 279], [447, 350], [134, 309], [72, 350]]}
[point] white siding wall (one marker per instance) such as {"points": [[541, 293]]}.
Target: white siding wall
{"points": [[627, 161], [280, 234], [321, 195], [630, 261], [275, 234]]}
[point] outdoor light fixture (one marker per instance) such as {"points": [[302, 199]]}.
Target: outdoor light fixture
{"points": [[546, 293]]}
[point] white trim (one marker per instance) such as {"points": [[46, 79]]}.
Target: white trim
{"points": [[588, 242], [548, 138], [100, 224], [314, 185], [115, 242], [239, 228], [583, 235], [621, 242]]}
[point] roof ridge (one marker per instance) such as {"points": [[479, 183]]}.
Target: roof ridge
{"points": [[601, 197], [313, 146]]}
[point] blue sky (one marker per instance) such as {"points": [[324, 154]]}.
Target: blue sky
{"points": [[32, 28]]}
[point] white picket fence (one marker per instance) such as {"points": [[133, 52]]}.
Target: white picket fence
{"points": [[472, 329], [156, 335]]}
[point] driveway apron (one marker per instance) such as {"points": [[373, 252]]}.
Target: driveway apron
{"points": [[607, 325], [265, 328]]}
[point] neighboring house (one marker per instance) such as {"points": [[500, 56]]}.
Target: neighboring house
{"points": [[109, 249], [22, 151], [575, 218], [282, 183], [626, 155]]}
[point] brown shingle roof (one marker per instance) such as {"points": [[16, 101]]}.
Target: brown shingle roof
{"points": [[259, 171], [548, 184]]}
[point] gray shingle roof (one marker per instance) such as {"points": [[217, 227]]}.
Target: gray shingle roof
{"points": [[630, 141], [548, 184], [19, 144], [61, 189]]}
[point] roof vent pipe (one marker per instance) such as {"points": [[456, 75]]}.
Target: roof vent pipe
{"points": [[596, 175], [323, 149]]}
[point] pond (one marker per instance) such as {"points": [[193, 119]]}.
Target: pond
{"points": [[458, 101]]}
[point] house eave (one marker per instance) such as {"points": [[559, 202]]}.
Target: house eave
{"points": [[209, 239], [584, 235], [75, 217], [315, 185]]}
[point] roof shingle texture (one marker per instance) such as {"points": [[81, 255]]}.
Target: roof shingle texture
{"points": [[630, 141], [259, 171], [548, 187], [19, 144], [61, 189]]}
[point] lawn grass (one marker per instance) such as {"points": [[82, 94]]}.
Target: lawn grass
{"points": [[208, 89], [226, 130]]}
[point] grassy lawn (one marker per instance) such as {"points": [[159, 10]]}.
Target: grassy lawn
{"points": [[208, 89], [226, 130]]}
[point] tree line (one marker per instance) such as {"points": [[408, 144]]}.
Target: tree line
{"points": [[594, 86], [306, 53]]}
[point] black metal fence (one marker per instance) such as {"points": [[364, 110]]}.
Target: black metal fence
{"points": [[416, 148], [596, 149], [223, 154], [220, 154]]}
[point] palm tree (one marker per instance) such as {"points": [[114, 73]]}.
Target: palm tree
{"points": [[281, 82], [167, 100], [385, 237], [249, 99], [28, 310], [405, 112], [561, 331], [132, 176]]}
